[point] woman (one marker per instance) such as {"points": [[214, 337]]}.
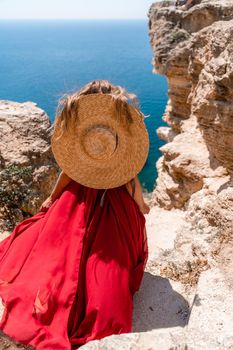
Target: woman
{"points": [[68, 274]]}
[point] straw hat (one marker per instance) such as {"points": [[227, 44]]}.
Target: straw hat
{"points": [[99, 151]]}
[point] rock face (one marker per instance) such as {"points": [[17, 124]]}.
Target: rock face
{"points": [[194, 49], [27, 167]]}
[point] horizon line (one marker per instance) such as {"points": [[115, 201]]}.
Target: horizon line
{"points": [[79, 19]]}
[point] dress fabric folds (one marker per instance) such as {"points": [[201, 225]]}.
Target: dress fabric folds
{"points": [[68, 274]]}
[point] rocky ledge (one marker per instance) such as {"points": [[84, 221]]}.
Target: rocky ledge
{"points": [[27, 167]]}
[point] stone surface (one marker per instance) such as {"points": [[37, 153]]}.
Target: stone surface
{"points": [[199, 114], [27, 167]]}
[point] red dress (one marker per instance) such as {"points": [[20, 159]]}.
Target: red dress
{"points": [[68, 273]]}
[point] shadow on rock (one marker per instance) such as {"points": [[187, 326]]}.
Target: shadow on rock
{"points": [[157, 305]]}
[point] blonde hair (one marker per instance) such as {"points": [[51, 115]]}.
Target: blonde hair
{"points": [[68, 104]]}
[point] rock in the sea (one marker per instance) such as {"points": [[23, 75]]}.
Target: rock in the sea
{"points": [[28, 170]]}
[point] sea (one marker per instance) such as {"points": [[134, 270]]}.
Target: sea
{"points": [[40, 60]]}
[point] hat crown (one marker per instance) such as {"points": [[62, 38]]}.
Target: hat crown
{"points": [[100, 150], [99, 141]]}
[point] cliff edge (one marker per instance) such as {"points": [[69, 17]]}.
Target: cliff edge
{"points": [[194, 49]]}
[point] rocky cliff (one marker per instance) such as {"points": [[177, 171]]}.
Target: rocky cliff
{"points": [[27, 167], [194, 49]]}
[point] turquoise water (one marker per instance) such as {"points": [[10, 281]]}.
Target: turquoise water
{"points": [[41, 60]]}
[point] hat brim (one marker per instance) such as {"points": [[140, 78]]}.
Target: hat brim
{"points": [[120, 166]]}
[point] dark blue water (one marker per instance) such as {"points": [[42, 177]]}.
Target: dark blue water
{"points": [[41, 60]]}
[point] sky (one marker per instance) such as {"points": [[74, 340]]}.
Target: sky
{"points": [[74, 9]]}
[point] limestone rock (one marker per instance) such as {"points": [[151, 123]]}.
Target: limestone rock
{"points": [[27, 168], [199, 114]]}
